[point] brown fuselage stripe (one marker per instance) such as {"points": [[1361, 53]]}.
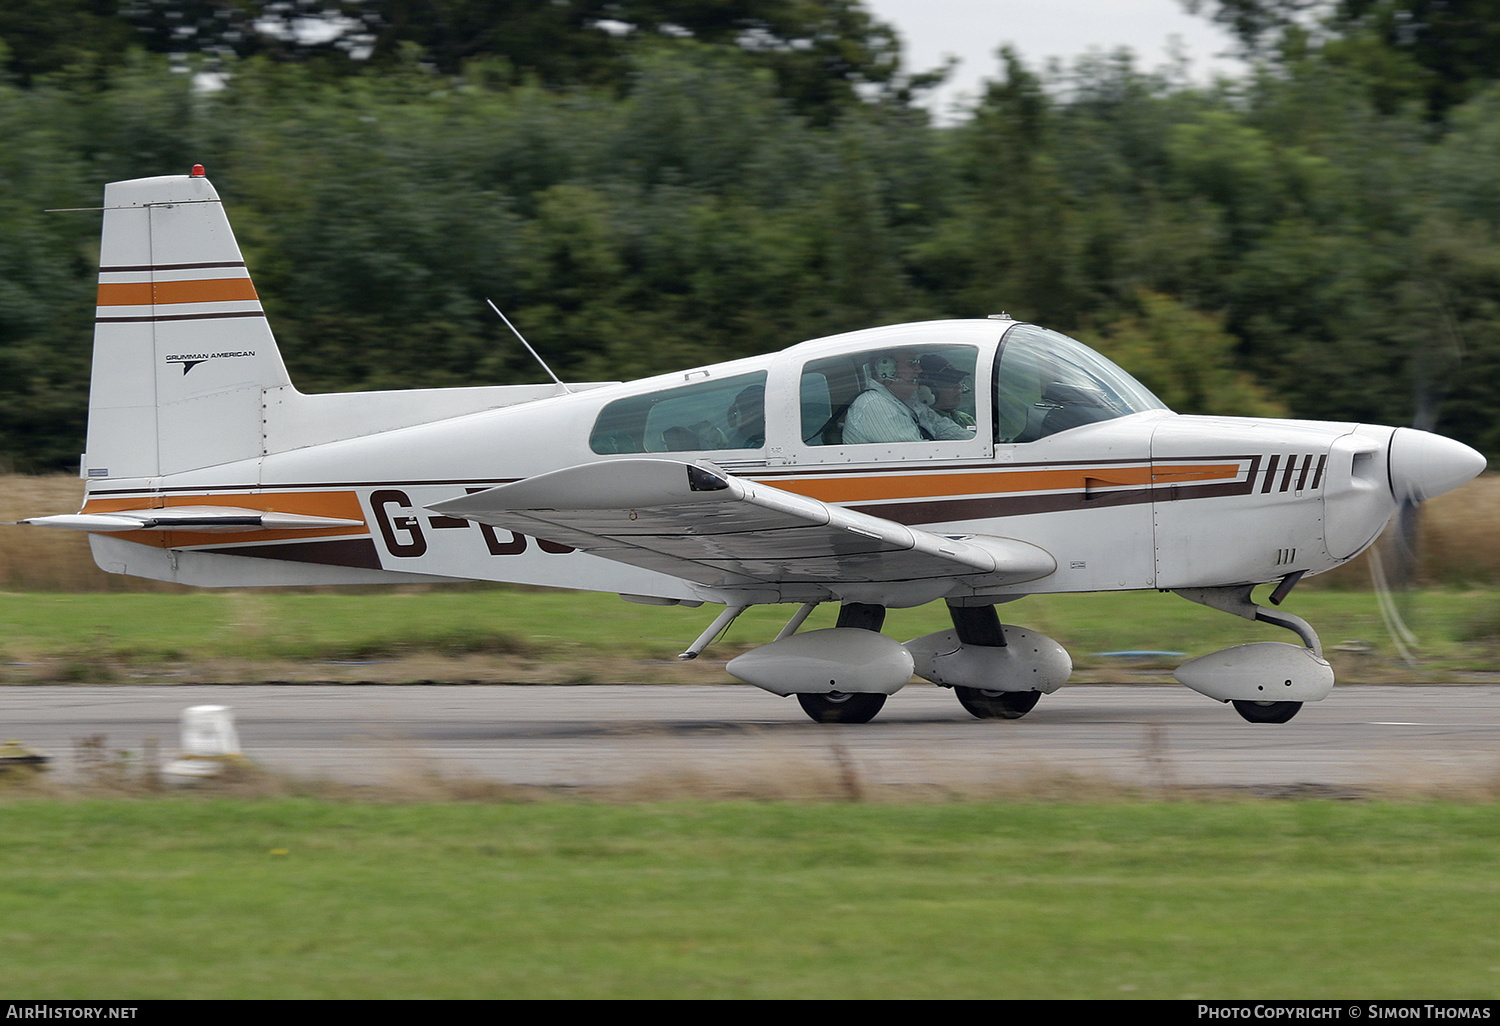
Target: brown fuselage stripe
{"points": [[1270, 474], [353, 552], [987, 507]]}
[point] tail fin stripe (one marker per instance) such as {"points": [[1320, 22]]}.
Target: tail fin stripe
{"points": [[170, 267], [181, 317], [167, 293]]}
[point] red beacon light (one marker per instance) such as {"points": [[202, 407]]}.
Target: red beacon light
{"points": [[198, 171]]}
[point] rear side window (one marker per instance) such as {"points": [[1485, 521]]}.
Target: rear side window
{"points": [[726, 414]]}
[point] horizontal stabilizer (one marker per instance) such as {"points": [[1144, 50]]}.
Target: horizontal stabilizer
{"points": [[190, 518], [701, 524]]}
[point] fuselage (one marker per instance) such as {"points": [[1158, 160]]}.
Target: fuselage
{"points": [[1062, 450]]}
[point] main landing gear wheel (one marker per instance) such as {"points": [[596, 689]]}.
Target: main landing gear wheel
{"points": [[997, 705], [842, 707], [1267, 712]]}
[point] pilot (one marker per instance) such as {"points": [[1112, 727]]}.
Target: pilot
{"points": [[889, 409], [948, 386], [746, 418]]}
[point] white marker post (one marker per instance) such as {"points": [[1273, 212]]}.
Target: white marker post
{"points": [[209, 743]]}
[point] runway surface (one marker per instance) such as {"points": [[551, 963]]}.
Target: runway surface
{"points": [[1410, 736]]}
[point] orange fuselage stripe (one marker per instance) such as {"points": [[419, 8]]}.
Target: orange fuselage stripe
{"points": [[162, 293], [1000, 482]]}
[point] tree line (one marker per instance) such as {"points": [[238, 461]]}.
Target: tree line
{"points": [[648, 185]]}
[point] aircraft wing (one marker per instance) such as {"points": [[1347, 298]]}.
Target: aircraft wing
{"points": [[703, 525]]}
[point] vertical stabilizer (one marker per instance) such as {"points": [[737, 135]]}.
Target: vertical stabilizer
{"points": [[182, 351]]}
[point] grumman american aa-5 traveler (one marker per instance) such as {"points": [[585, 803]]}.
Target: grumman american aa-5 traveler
{"points": [[972, 462]]}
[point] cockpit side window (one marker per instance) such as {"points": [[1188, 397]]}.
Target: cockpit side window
{"points": [[898, 394], [726, 414], [1046, 382]]}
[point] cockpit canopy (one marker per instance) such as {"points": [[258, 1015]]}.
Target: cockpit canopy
{"points": [[974, 382]]}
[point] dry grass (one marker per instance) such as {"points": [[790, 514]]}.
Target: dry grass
{"points": [[1459, 543], [39, 559], [80, 666], [1461, 534]]}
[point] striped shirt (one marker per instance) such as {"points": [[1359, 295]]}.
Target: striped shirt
{"points": [[878, 416]]}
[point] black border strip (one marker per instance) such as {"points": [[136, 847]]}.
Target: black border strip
{"points": [[181, 317], [136, 268]]}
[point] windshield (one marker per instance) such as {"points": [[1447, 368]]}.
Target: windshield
{"points": [[1046, 382]]}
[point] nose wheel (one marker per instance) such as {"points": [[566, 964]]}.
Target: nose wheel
{"points": [[1300, 671], [1267, 712]]}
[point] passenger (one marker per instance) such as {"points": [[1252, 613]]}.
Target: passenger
{"points": [[746, 418], [948, 385], [889, 410]]}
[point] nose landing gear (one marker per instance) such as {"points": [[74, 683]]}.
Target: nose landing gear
{"points": [[1247, 675]]}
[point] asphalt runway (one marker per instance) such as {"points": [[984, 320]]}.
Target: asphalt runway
{"points": [[1408, 736]]}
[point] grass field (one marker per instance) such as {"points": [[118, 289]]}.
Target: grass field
{"points": [[191, 898]]}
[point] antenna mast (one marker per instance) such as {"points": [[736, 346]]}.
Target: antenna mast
{"points": [[527, 344]]}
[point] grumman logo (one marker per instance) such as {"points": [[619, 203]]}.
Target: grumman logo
{"points": [[191, 360]]}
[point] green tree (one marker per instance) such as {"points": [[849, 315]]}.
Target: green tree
{"points": [[821, 53], [1185, 357], [43, 37], [1436, 53]]}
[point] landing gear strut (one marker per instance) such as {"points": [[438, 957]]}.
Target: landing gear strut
{"points": [[980, 626]]}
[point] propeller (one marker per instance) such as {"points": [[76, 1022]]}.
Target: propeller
{"points": [[1420, 465]]}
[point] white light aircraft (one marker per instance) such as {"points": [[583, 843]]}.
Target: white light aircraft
{"points": [[969, 461]]}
